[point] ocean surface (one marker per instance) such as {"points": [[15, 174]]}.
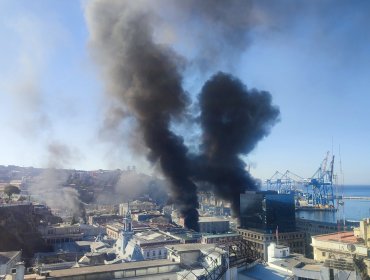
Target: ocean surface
{"points": [[353, 209]]}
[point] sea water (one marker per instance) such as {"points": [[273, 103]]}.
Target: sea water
{"points": [[352, 209]]}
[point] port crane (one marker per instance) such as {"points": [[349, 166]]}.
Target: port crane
{"points": [[286, 182], [316, 191], [321, 185]]}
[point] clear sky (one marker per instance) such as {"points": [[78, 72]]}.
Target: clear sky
{"points": [[315, 62]]}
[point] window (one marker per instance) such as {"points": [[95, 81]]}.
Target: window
{"points": [[323, 254], [331, 274]]}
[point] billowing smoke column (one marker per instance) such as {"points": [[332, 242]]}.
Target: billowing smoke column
{"points": [[233, 120], [146, 79]]}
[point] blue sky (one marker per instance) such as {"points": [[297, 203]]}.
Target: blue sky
{"points": [[315, 65]]}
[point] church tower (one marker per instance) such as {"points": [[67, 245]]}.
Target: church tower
{"points": [[126, 232]]}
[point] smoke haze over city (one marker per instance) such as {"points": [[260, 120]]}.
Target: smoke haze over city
{"points": [[311, 58]]}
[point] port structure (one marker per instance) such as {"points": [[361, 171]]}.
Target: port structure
{"points": [[316, 191], [286, 183], [319, 188]]}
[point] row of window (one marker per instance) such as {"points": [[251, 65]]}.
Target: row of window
{"points": [[153, 253], [281, 236]]}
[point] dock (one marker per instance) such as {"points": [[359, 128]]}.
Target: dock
{"points": [[357, 197]]}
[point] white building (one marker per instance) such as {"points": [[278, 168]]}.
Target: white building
{"points": [[136, 205], [8, 261], [146, 245]]}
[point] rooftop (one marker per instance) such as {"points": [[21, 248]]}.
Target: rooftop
{"points": [[292, 261], [230, 234], [5, 257], [152, 236], [108, 268], [212, 219], [261, 271], [190, 247], [343, 237]]}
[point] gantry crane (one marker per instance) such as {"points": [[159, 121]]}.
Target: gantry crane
{"points": [[321, 185], [317, 190]]}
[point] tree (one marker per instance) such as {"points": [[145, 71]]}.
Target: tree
{"points": [[9, 190]]}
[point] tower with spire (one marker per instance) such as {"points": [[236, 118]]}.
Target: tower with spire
{"points": [[126, 231]]}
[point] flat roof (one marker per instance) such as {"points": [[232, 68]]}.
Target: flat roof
{"points": [[343, 237], [110, 268], [232, 234], [212, 219], [150, 236], [312, 267], [261, 271], [292, 261], [190, 247]]}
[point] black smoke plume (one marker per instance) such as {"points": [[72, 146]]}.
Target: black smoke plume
{"points": [[233, 120], [145, 78]]}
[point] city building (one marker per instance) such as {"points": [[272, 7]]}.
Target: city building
{"points": [[199, 260], [213, 225], [154, 270], [103, 219], [266, 217], [185, 261], [220, 238], [113, 229], [8, 261], [313, 228], [146, 215], [266, 211], [345, 252], [137, 206], [282, 264], [259, 241], [60, 233], [337, 252], [146, 245], [184, 235]]}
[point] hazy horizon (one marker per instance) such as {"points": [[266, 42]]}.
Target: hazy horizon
{"points": [[313, 58]]}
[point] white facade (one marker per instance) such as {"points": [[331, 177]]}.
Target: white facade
{"points": [[8, 260], [275, 251]]}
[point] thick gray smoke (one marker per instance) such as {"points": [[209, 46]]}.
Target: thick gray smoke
{"points": [[145, 77], [49, 186]]}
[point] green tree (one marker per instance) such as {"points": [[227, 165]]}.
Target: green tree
{"points": [[9, 190]]}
